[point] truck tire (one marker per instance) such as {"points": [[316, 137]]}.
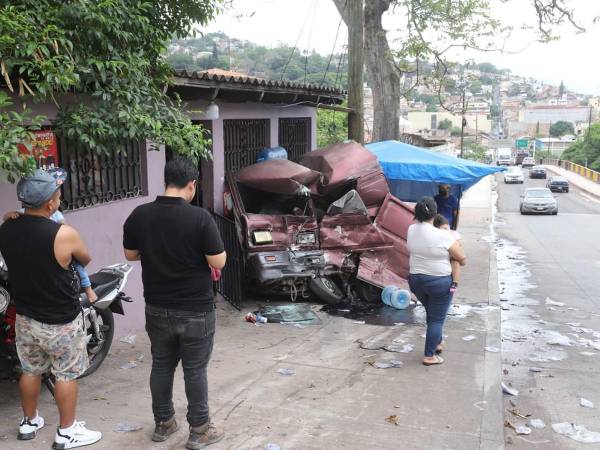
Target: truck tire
{"points": [[368, 292], [326, 290]]}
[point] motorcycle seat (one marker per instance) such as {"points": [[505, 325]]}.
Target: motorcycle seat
{"points": [[104, 282]]}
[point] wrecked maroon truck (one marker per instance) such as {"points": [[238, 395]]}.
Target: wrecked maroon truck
{"points": [[327, 227]]}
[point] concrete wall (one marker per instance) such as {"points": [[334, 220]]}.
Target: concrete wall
{"points": [[214, 171], [422, 120], [552, 115]]}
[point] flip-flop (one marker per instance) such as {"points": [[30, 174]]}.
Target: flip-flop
{"points": [[438, 360]]}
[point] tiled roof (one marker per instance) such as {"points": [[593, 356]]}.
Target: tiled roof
{"points": [[226, 76]]}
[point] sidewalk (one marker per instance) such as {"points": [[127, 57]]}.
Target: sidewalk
{"points": [[577, 180], [336, 398]]}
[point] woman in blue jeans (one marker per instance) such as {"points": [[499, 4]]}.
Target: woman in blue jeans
{"points": [[430, 273]]}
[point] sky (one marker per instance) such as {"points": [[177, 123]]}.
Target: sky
{"points": [[313, 24]]}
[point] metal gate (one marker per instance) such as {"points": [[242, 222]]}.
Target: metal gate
{"points": [[294, 136], [243, 139], [231, 282]]}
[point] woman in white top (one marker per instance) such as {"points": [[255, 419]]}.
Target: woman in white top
{"points": [[430, 273]]}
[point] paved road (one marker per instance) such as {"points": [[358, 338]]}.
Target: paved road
{"points": [[554, 257]]}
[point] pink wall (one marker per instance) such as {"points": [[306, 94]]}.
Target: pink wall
{"points": [[214, 171], [101, 228]]}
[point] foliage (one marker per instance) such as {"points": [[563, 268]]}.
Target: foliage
{"points": [[109, 52], [586, 149], [495, 110], [15, 129], [455, 131], [475, 87], [332, 127], [475, 152], [445, 124], [487, 67], [560, 128], [217, 50]]}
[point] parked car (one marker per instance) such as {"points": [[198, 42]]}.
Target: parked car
{"points": [[558, 184], [528, 161], [538, 201], [537, 172], [327, 227], [514, 175]]}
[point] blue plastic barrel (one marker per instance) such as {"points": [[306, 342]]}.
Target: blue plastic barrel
{"points": [[395, 297], [272, 153]]}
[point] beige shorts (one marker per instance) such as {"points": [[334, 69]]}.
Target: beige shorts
{"points": [[60, 349]]}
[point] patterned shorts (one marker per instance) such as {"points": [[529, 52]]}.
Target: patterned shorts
{"points": [[60, 349]]}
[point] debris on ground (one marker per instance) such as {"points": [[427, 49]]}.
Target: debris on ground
{"points": [[587, 353], [292, 313], [128, 427], [578, 433], [492, 349], [477, 405], [469, 338], [399, 348], [555, 338], [392, 419], [509, 390], [287, 371], [128, 365], [129, 339], [537, 424], [536, 369], [272, 447], [359, 322], [586, 403], [387, 364], [518, 414], [550, 302], [522, 429]]}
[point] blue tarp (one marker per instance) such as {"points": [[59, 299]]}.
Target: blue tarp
{"points": [[413, 172]]}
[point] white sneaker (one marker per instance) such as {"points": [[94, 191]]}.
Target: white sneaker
{"points": [[29, 427], [75, 436]]}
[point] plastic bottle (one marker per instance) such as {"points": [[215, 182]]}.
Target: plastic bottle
{"points": [[395, 297]]}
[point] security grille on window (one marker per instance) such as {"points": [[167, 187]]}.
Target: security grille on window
{"points": [[97, 179], [294, 136], [243, 139]]}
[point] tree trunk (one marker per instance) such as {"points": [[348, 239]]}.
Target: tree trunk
{"points": [[383, 77]]}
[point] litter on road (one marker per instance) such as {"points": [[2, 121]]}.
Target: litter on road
{"points": [[578, 433], [129, 339], [586, 403], [550, 302], [537, 424], [387, 364], [522, 429], [469, 338], [127, 427], [535, 369], [286, 371], [128, 365], [509, 390], [555, 338], [491, 349]]}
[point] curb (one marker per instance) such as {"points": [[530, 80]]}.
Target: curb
{"points": [[575, 182], [492, 421]]}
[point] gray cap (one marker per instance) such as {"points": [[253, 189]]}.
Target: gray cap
{"points": [[33, 191]]}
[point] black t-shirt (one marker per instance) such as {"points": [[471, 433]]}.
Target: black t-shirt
{"points": [[41, 287], [173, 238]]}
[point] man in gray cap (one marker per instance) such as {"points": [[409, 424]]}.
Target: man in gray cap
{"points": [[50, 331]]}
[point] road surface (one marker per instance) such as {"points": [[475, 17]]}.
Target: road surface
{"points": [[549, 276]]}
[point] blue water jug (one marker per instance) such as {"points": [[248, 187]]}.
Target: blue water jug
{"points": [[272, 153], [395, 297]]}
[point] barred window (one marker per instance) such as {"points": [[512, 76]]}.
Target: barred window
{"points": [[98, 179], [243, 139]]}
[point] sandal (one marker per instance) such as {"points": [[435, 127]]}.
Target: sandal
{"points": [[438, 360]]}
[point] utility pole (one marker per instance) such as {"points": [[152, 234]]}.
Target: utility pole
{"points": [[355, 70], [463, 122]]}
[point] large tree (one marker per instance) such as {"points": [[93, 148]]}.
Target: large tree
{"points": [[561, 128], [108, 52], [429, 30]]}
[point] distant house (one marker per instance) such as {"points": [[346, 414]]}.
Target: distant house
{"points": [[545, 114], [556, 146]]}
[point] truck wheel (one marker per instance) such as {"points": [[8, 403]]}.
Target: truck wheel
{"points": [[326, 290]]}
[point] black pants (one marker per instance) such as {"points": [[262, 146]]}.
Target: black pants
{"points": [[174, 336]]}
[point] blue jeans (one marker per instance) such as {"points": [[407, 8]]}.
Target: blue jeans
{"points": [[84, 279], [434, 293], [180, 335]]}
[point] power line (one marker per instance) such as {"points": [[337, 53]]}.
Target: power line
{"points": [[297, 39], [308, 42], [332, 52]]}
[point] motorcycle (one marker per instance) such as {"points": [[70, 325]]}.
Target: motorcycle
{"points": [[108, 283]]}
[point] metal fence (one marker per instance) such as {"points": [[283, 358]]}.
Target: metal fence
{"points": [[243, 140], [575, 168], [294, 136], [230, 286]]}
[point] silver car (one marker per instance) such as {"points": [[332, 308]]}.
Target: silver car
{"points": [[538, 201]]}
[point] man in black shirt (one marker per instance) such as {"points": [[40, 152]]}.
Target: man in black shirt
{"points": [[178, 244]]}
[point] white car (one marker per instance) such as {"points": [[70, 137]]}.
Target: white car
{"points": [[514, 175], [528, 162]]}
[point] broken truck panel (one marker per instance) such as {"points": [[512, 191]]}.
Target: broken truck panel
{"points": [[346, 166], [278, 176], [353, 232], [375, 268]]}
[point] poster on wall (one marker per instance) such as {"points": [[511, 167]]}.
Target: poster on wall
{"points": [[44, 149]]}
